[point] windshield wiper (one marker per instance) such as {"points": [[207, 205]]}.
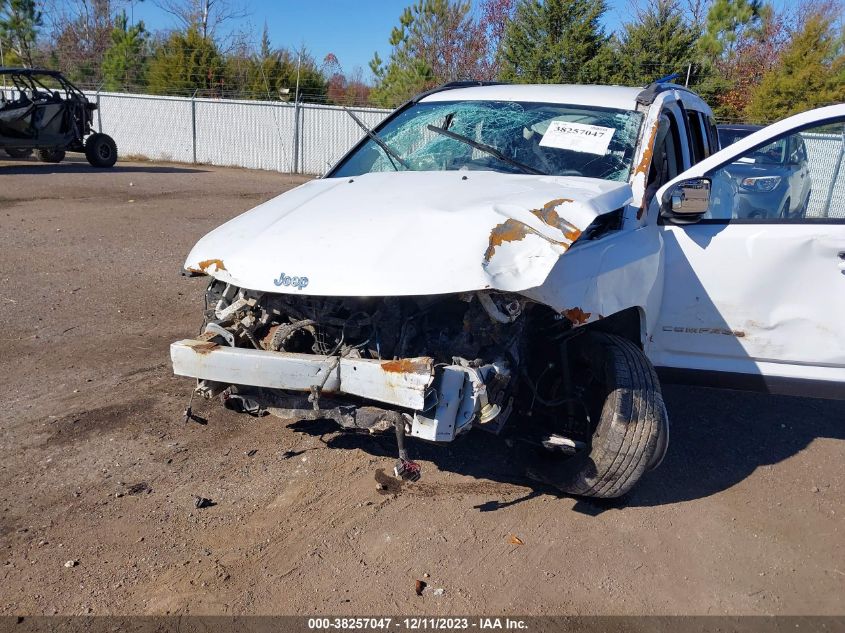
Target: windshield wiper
{"points": [[391, 153], [489, 150]]}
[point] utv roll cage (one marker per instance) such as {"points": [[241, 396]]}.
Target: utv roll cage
{"points": [[42, 111], [29, 79]]}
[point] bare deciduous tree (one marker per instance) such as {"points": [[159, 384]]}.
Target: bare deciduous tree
{"points": [[697, 12], [204, 15], [81, 33]]}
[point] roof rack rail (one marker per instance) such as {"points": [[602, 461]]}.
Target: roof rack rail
{"points": [[666, 79], [650, 92], [452, 85]]}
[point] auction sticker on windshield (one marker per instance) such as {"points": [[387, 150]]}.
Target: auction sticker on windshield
{"points": [[578, 137]]}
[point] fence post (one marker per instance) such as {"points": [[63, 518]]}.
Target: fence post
{"points": [[194, 125], [296, 131], [99, 112]]}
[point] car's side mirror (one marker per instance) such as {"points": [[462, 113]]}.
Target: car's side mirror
{"points": [[687, 201]]}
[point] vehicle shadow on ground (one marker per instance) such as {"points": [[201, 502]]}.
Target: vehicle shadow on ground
{"points": [[718, 438], [84, 168]]}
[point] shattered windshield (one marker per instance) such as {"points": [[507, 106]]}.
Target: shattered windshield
{"points": [[561, 140]]}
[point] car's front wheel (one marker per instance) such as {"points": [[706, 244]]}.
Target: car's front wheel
{"points": [[51, 155], [628, 422], [101, 150]]}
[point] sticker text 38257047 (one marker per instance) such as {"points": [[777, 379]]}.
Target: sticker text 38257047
{"points": [[578, 137]]}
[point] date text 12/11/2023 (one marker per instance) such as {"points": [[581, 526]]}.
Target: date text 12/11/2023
{"points": [[416, 623]]}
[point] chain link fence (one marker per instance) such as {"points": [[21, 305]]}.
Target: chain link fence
{"points": [[297, 138], [827, 188]]}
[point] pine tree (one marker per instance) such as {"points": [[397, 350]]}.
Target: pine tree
{"points": [[267, 71], [726, 21], [730, 27], [811, 73], [265, 50], [19, 24], [274, 70], [270, 72], [124, 61], [186, 62], [436, 41], [556, 41], [658, 43]]}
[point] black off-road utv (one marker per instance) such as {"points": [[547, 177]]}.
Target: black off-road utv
{"points": [[41, 110]]}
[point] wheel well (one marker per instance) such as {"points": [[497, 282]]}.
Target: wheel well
{"points": [[627, 324]]}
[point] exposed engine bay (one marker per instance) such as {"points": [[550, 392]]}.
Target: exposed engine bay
{"points": [[479, 333], [472, 326]]}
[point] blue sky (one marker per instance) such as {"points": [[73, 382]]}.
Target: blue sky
{"points": [[351, 29]]}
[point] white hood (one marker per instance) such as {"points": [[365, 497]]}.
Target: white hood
{"points": [[407, 233]]}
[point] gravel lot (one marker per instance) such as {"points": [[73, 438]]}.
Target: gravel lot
{"points": [[99, 474]]}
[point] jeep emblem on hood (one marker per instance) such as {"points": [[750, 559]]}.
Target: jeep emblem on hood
{"points": [[297, 282]]}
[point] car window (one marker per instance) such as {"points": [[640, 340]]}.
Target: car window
{"points": [[796, 177], [549, 138], [696, 135], [730, 135], [800, 148], [772, 154], [667, 160], [712, 135]]}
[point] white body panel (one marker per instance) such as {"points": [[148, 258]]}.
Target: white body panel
{"points": [[753, 298], [617, 97], [600, 278], [407, 233], [758, 298]]}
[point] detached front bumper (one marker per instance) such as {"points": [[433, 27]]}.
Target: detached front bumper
{"points": [[400, 383], [444, 401]]}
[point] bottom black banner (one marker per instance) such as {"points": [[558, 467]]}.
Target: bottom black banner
{"points": [[296, 624]]}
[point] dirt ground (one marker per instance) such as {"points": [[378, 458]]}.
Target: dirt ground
{"points": [[99, 473]]}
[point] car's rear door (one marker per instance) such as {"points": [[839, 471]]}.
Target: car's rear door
{"points": [[760, 302]]}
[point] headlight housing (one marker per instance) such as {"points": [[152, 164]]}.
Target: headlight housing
{"points": [[760, 183]]}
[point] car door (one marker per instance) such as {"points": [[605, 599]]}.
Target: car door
{"points": [[756, 302]]}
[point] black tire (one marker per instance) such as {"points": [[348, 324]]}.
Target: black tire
{"points": [[101, 150], [784, 212], [17, 152], [51, 155], [632, 433]]}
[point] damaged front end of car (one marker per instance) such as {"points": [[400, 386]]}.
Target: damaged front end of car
{"points": [[431, 367], [426, 304]]}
